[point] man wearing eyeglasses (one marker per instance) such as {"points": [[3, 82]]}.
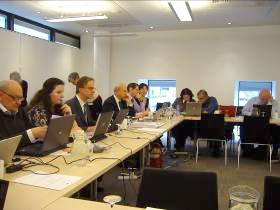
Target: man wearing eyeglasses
{"points": [[13, 119]]}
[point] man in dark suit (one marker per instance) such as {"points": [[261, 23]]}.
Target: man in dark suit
{"points": [[119, 100], [84, 91], [13, 119]]}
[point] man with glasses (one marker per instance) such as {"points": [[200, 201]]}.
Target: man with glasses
{"points": [[13, 119]]}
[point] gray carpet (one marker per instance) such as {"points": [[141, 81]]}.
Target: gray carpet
{"points": [[251, 173]]}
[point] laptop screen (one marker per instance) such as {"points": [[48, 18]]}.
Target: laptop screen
{"points": [[3, 192]]}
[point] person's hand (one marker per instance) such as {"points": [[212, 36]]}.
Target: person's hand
{"points": [[66, 110], [39, 132], [128, 99]]}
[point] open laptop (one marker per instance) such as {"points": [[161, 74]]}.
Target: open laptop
{"points": [[56, 138], [8, 148], [102, 125], [263, 110], [118, 120], [193, 109], [3, 192]]}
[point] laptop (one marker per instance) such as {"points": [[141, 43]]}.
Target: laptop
{"points": [[8, 148], [193, 109], [3, 192], [118, 120], [263, 110], [56, 138], [102, 125], [228, 111]]}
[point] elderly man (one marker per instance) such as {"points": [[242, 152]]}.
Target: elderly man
{"points": [[264, 98], [13, 119], [119, 100], [209, 103]]}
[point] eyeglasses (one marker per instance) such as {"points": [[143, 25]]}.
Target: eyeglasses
{"points": [[15, 98]]}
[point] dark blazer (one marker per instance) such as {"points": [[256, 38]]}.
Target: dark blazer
{"points": [[24, 86], [110, 104], [95, 107], [80, 116], [17, 124]]}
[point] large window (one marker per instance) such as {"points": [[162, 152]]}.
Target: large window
{"points": [[32, 30], [67, 40], [246, 90], [160, 91], [3, 21]]}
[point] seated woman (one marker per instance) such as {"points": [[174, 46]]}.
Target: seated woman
{"points": [[47, 102], [185, 128]]}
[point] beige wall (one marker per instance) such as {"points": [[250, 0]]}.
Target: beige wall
{"points": [[212, 59], [36, 59]]}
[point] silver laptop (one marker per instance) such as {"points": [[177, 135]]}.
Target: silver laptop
{"points": [[8, 148], [193, 109]]}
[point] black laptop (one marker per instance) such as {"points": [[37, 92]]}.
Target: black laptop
{"points": [[102, 125], [118, 120], [56, 138], [3, 192]]}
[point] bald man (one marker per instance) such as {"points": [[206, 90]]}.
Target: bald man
{"points": [[264, 98], [13, 119], [119, 100]]}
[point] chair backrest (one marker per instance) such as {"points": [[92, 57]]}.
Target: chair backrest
{"points": [[255, 129], [211, 126], [271, 193], [159, 105], [178, 190], [239, 110], [228, 111]]}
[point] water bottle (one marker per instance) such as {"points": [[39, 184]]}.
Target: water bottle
{"points": [[80, 149]]}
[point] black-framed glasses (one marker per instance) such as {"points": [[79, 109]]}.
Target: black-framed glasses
{"points": [[15, 98]]}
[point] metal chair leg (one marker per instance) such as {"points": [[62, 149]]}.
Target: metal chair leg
{"points": [[225, 153], [270, 154], [196, 150], [238, 154]]}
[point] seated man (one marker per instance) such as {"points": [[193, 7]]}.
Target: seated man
{"points": [[13, 119], [209, 103], [119, 100], [84, 92], [95, 105], [264, 98]]}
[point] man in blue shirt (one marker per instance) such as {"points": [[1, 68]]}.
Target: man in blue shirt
{"points": [[209, 103]]}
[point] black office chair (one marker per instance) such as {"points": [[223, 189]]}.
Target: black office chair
{"points": [[211, 128], [271, 193], [159, 105], [255, 131], [178, 190]]}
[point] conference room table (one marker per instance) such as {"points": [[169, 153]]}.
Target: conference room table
{"points": [[129, 142]]}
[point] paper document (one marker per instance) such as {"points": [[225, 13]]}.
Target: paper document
{"points": [[53, 181], [156, 130], [149, 208]]}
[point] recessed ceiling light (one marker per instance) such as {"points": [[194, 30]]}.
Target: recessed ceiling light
{"points": [[151, 27], [69, 19], [38, 12], [229, 23], [86, 31], [181, 9]]}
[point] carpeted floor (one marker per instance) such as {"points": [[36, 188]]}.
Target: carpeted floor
{"points": [[251, 173]]}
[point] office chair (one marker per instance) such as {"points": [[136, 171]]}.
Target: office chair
{"points": [[271, 193], [211, 128], [178, 190], [255, 131]]}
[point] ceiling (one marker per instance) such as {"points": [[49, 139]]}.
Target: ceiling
{"points": [[139, 16]]}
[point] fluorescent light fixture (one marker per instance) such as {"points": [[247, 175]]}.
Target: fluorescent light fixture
{"points": [[229, 23], [181, 9], [69, 19]]}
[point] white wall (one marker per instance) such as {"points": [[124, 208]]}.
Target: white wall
{"points": [[36, 59], [212, 59]]}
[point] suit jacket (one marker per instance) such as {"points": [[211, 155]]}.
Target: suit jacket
{"points": [[96, 107], [110, 104], [17, 124], [80, 116]]}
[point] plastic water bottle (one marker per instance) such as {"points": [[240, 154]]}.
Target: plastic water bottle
{"points": [[80, 149], [178, 110]]}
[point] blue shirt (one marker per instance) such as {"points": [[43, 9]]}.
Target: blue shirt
{"points": [[247, 109], [210, 105]]}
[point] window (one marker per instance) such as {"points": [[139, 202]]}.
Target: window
{"points": [[67, 40], [246, 90], [160, 91], [3, 21], [32, 30]]}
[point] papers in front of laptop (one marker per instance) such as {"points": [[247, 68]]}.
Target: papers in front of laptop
{"points": [[155, 130], [147, 124], [52, 181]]}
